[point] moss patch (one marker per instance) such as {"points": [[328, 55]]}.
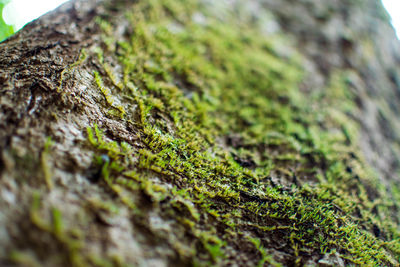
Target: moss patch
{"points": [[230, 149]]}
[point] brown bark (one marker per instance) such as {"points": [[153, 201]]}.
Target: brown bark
{"points": [[45, 90]]}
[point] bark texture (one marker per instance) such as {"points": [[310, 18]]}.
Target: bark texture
{"points": [[185, 133]]}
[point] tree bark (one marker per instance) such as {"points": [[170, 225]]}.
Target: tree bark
{"points": [[235, 133]]}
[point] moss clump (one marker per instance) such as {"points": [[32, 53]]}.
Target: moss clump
{"points": [[44, 162], [219, 116]]}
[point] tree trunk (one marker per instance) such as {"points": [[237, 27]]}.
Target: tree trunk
{"points": [[197, 132]]}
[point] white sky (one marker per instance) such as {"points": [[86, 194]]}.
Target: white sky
{"points": [[20, 12], [393, 7]]}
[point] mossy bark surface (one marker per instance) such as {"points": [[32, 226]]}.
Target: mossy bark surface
{"points": [[198, 133]]}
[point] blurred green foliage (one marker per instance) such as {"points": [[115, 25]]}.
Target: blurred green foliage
{"points": [[5, 29]]}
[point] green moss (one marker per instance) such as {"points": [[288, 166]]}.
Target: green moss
{"points": [[219, 113], [67, 239], [116, 109], [44, 162], [265, 258], [23, 259], [69, 68], [67, 243]]}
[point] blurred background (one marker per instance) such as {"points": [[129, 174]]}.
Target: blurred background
{"points": [[14, 14], [393, 7]]}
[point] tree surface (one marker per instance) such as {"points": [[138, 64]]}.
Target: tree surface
{"points": [[201, 133]]}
